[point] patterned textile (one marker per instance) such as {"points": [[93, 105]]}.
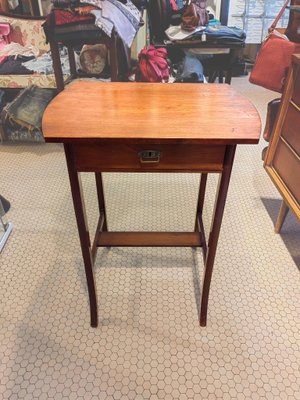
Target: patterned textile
{"points": [[22, 81], [125, 18], [27, 32], [16, 49], [65, 17]]}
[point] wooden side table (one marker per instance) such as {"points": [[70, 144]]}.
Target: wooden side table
{"points": [[144, 127]]}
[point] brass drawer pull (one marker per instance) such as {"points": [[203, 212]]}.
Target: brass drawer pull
{"points": [[149, 156]]}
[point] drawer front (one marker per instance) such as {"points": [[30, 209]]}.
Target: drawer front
{"points": [[287, 165], [148, 158], [291, 128], [296, 91]]}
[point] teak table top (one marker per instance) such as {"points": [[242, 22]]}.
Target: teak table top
{"points": [[201, 113]]}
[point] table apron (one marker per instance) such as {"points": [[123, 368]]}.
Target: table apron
{"points": [[121, 157]]}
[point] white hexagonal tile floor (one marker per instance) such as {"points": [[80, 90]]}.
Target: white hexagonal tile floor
{"points": [[148, 344]]}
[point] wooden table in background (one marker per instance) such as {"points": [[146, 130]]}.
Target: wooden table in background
{"points": [[144, 127]]}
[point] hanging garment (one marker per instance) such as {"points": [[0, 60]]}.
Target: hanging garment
{"points": [[124, 18]]}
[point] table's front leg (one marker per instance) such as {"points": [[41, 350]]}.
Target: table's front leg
{"points": [[83, 231], [215, 230]]}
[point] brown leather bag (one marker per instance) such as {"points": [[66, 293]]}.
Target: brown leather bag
{"points": [[195, 15], [272, 112]]}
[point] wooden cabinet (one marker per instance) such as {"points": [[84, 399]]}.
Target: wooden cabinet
{"points": [[283, 157]]}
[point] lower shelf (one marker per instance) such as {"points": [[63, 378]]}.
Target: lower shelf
{"points": [[155, 239]]}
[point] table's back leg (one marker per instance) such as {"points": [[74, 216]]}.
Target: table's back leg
{"points": [[201, 195], [215, 230], [199, 227], [83, 231], [101, 200]]}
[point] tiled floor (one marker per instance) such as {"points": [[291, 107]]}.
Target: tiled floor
{"points": [[148, 344]]}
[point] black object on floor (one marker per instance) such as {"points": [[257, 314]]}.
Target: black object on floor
{"points": [[5, 205]]}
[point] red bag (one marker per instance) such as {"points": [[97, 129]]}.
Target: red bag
{"points": [[152, 65], [274, 59]]}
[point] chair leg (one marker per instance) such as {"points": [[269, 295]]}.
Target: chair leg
{"points": [[281, 216], [72, 62], [57, 66]]}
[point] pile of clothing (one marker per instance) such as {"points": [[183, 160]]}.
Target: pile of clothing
{"points": [[16, 59], [195, 21], [108, 15], [26, 60], [12, 55]]}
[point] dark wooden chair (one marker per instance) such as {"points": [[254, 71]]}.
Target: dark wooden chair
{"points": [[119, 55], [91, 35]]}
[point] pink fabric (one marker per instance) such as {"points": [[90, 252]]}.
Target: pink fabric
{"points": [[4, 29], [174, 4], [153, 65], [4, 38]]}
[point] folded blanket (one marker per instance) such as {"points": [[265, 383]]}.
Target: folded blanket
{"points": [[16, 49]]}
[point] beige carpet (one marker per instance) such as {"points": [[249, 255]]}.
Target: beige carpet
{"points": [[148, 344]]}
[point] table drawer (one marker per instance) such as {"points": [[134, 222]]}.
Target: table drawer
{"points": [[139, 157], [287, 165], [291, 128]]}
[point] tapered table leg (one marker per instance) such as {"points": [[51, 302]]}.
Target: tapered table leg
{"points": [[199, 227], [84, 236], [215, 230], [201, 195]]}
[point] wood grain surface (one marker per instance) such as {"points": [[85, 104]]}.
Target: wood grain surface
{"points": [[180, 112]]}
